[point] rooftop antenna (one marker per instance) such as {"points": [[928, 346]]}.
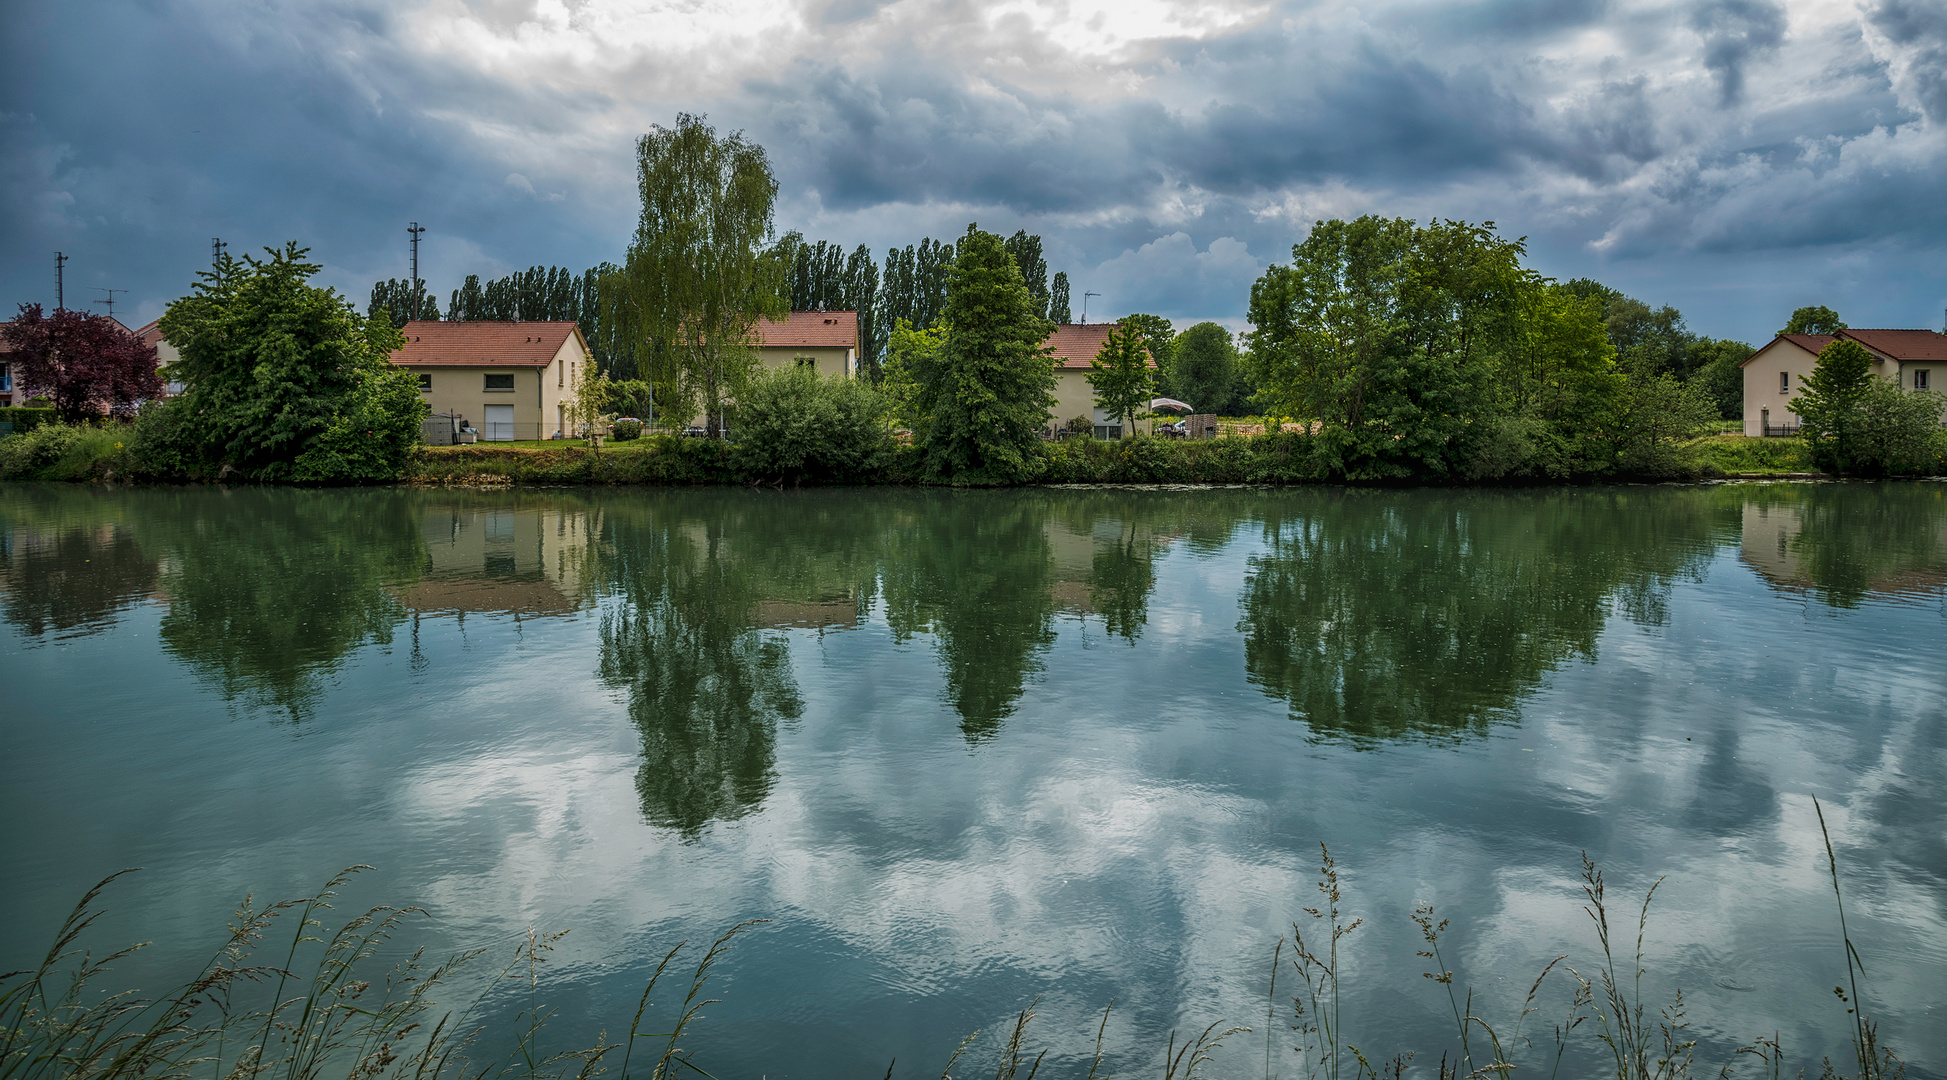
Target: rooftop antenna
{"points": [[415, 229], [60, 297], [110, 302], [217, 247], [1085, 297]]}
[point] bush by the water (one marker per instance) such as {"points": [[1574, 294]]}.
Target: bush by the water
{"points": [[626, 430], [794, 424]]}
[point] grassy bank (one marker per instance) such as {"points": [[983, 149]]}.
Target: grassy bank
{"points": [[115, 452], [314, 1009]]}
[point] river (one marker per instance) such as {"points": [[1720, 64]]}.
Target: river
{"points": [[965, 749]]}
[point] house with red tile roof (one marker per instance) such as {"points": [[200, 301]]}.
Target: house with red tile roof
{"points": [[825, 341], [507, 380], [1775, 375], [1075, 346]]}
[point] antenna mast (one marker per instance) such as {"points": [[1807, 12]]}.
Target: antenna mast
{"points": [[60, 297], [111, 299], [1085, 297], [415, 229]]}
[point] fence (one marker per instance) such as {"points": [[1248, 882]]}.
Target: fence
{"points": [[1779, 430]]}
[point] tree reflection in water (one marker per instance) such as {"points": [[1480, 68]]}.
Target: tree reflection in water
{"points": [[66, 566], [974, 569], [706, 582], [270, 589], [1381, 614]]}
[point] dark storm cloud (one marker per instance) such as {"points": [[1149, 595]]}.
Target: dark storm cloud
{"points": [[1169, 163], [1734, 33], [141, 138]]}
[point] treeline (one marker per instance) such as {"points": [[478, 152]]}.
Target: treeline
{"points": [[910, 283]]}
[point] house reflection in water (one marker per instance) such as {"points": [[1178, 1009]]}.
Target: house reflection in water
{"points": [[504, 561], [1852, 543]]}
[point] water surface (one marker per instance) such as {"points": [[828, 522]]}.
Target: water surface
{"points": [[966, 748]]}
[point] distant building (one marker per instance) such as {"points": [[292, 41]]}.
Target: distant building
{"points": [[826, 341], [508, 380], [1075, 346], [1775, 375], [165, 354]]}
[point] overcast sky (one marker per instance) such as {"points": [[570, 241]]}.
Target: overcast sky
{"points": [[1734, 158]]}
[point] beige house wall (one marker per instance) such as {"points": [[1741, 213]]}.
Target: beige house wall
{"points": [[538, 397], [1761, 375], [1075, 396], [832, 361], [1784, 358]]}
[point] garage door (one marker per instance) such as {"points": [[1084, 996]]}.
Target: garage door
{"points": [[500, 424]]}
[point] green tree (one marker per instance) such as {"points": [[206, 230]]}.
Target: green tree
{"points": [[1717, 372], [1157, 338], [1058, 300], [1897, 431], [1661, 416], [284, 381], [1034, 268], [1206, 374], [985, 406], [1384, 335], [912, 361], [698, 273], [1813, 320], [401, 302], [1649, 341], [1828, 409], [1122, 377]]}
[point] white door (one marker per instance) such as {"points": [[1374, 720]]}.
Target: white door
{"points": [[500, 424]]}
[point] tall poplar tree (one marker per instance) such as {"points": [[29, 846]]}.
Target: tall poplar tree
{"points": [[698, 274], [1058, 303]]}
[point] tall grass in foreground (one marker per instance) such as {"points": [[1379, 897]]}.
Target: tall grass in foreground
{"points": [[314, 1013]]}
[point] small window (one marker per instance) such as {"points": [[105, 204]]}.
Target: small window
{"points": [[807, 361], [426, 384], [561, 374], [1784, 382], [1921, 378], [500, 382]]}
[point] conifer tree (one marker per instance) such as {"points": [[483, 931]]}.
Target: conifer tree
{"points": [[989, 397]]}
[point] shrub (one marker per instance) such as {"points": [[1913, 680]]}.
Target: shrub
{"points": [[794, 424], [25, 420], [24, 456], [627, 430]]}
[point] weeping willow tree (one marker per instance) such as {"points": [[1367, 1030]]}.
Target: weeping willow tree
{"points": [[699, 275]]}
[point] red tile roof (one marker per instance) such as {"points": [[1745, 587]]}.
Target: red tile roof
{"points": [[483, 344], [810, 330], [1076, 344], [150, 333], [1906, 346]]}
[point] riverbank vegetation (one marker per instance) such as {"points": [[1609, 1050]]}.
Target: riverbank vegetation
{"points": [[316, 1009]]}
